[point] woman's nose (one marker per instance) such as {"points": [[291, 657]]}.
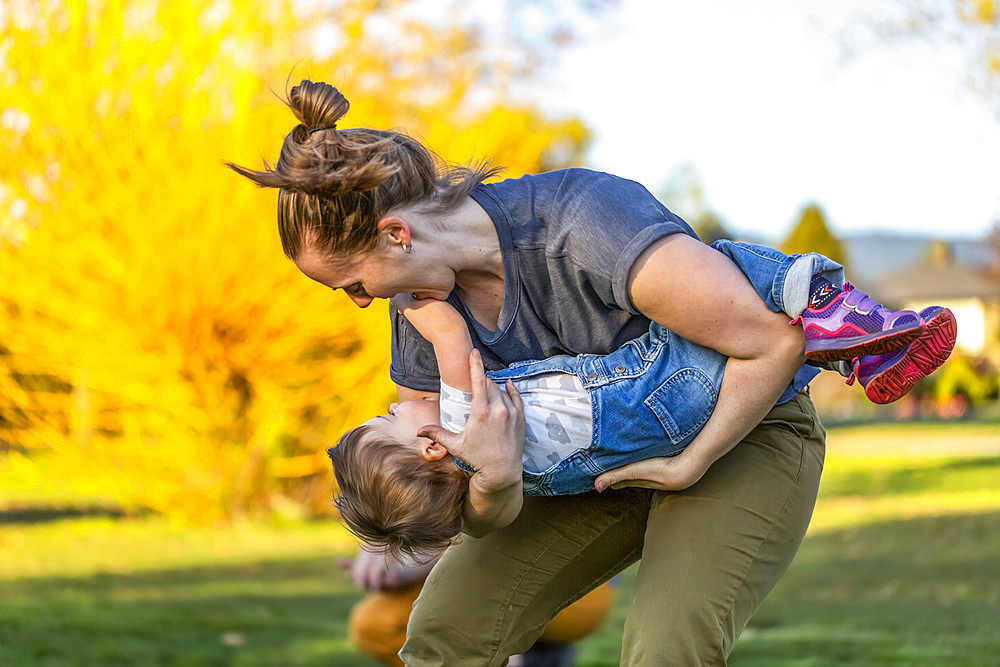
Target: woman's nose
{"points": [[392, 407]]}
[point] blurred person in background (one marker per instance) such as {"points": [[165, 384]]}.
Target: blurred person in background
{"points": [[377, 624]]}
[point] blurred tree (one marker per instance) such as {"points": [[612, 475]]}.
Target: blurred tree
{"points": [[155, 346], [811, 234], [974, 25], [684, 194], [710, 227]]}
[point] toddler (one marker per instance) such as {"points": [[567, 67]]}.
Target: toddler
{"points": [[587, 414]]}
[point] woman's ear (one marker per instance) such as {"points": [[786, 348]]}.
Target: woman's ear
{"points": [[433, 451], [395, 230]]}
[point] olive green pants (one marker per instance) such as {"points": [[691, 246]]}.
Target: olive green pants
{"points": [[709, 555]]}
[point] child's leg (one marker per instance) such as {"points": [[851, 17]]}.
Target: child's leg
{"points": [[782, 281], [791, 283], [839, 322]]}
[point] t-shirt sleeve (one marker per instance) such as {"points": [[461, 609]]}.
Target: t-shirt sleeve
{"points": [[456, 406], [608, 222], [413, 363]]}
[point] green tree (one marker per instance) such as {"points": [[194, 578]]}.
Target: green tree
{"points": [[684, 194], [812, 234], [710, 227]]}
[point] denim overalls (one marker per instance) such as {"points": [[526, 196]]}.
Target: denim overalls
{"points": [[652, 396], [648, 398]]}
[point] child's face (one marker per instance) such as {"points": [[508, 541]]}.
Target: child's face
{"points": [[404, 420]]}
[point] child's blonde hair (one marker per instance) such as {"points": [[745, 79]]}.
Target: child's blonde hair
{"points": [[391, 497]]}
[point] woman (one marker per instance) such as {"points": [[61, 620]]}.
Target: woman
{"points": [[568, 262]]}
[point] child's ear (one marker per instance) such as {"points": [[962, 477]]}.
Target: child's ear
{"points": [[433, 451]]}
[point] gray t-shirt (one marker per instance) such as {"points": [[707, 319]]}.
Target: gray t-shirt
{"points": [[569, 239]]}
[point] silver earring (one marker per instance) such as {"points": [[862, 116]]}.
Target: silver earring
{"points": [[407, 248]]}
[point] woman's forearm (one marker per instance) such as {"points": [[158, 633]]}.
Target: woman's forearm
{"points": [[489, 509], [492, 444], [749, 389]]}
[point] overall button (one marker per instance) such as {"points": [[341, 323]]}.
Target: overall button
{"points": [[591, 377], [619, 369]]}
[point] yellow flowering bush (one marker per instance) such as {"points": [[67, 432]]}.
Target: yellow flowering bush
{"points": [[156, 348]]}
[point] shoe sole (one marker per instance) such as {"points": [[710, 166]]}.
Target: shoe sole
{"points": [[881, 342], [924, 356]]}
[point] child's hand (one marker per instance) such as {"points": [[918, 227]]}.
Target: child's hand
{"points": [[376, 571], [432, 318], [663, 473]]}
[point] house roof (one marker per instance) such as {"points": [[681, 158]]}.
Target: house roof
{"points": [[930, 282]]}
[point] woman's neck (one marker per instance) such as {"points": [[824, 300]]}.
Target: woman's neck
{"points": [[468, 243], [464, 239]]}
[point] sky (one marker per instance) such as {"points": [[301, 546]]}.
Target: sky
{"points": [[780, 103]]}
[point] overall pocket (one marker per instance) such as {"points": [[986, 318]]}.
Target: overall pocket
{"points": [[683, 403]]}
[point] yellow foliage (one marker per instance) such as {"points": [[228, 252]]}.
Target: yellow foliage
{"points": [[977, 11], [156, 347]]}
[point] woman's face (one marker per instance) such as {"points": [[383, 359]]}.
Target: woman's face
{"points": [[380, 274]]}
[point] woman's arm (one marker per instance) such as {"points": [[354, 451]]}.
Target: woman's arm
{"points": [[702, 296], [446, 330]]}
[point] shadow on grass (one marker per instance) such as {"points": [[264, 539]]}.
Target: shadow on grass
{"points": [[16, 515], [957, 474], [291, 612], [921, 592]]}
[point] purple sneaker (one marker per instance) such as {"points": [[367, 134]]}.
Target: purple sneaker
{"points": [[854, 325], [889, 377]]}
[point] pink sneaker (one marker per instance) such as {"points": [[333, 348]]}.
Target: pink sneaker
{"points": [[889, 377], [854, 325]]}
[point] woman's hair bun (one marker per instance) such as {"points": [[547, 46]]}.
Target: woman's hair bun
{"points": [[317, 104]]}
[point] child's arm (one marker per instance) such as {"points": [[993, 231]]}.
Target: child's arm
{"points": [[446, 330]]}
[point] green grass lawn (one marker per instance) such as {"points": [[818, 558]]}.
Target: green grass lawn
{"points": [[900, 567]]}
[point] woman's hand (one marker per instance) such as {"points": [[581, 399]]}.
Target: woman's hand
{"points": [[700, 294], [662, 473], [492, 443]]}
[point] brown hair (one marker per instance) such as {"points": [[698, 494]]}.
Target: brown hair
{"points": [[391, 497], [335, 185]]}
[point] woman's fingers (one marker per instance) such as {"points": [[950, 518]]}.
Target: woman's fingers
{"points": [[442, 436], [648, 473], [663, 473], [478, 376], [515, 397]]}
